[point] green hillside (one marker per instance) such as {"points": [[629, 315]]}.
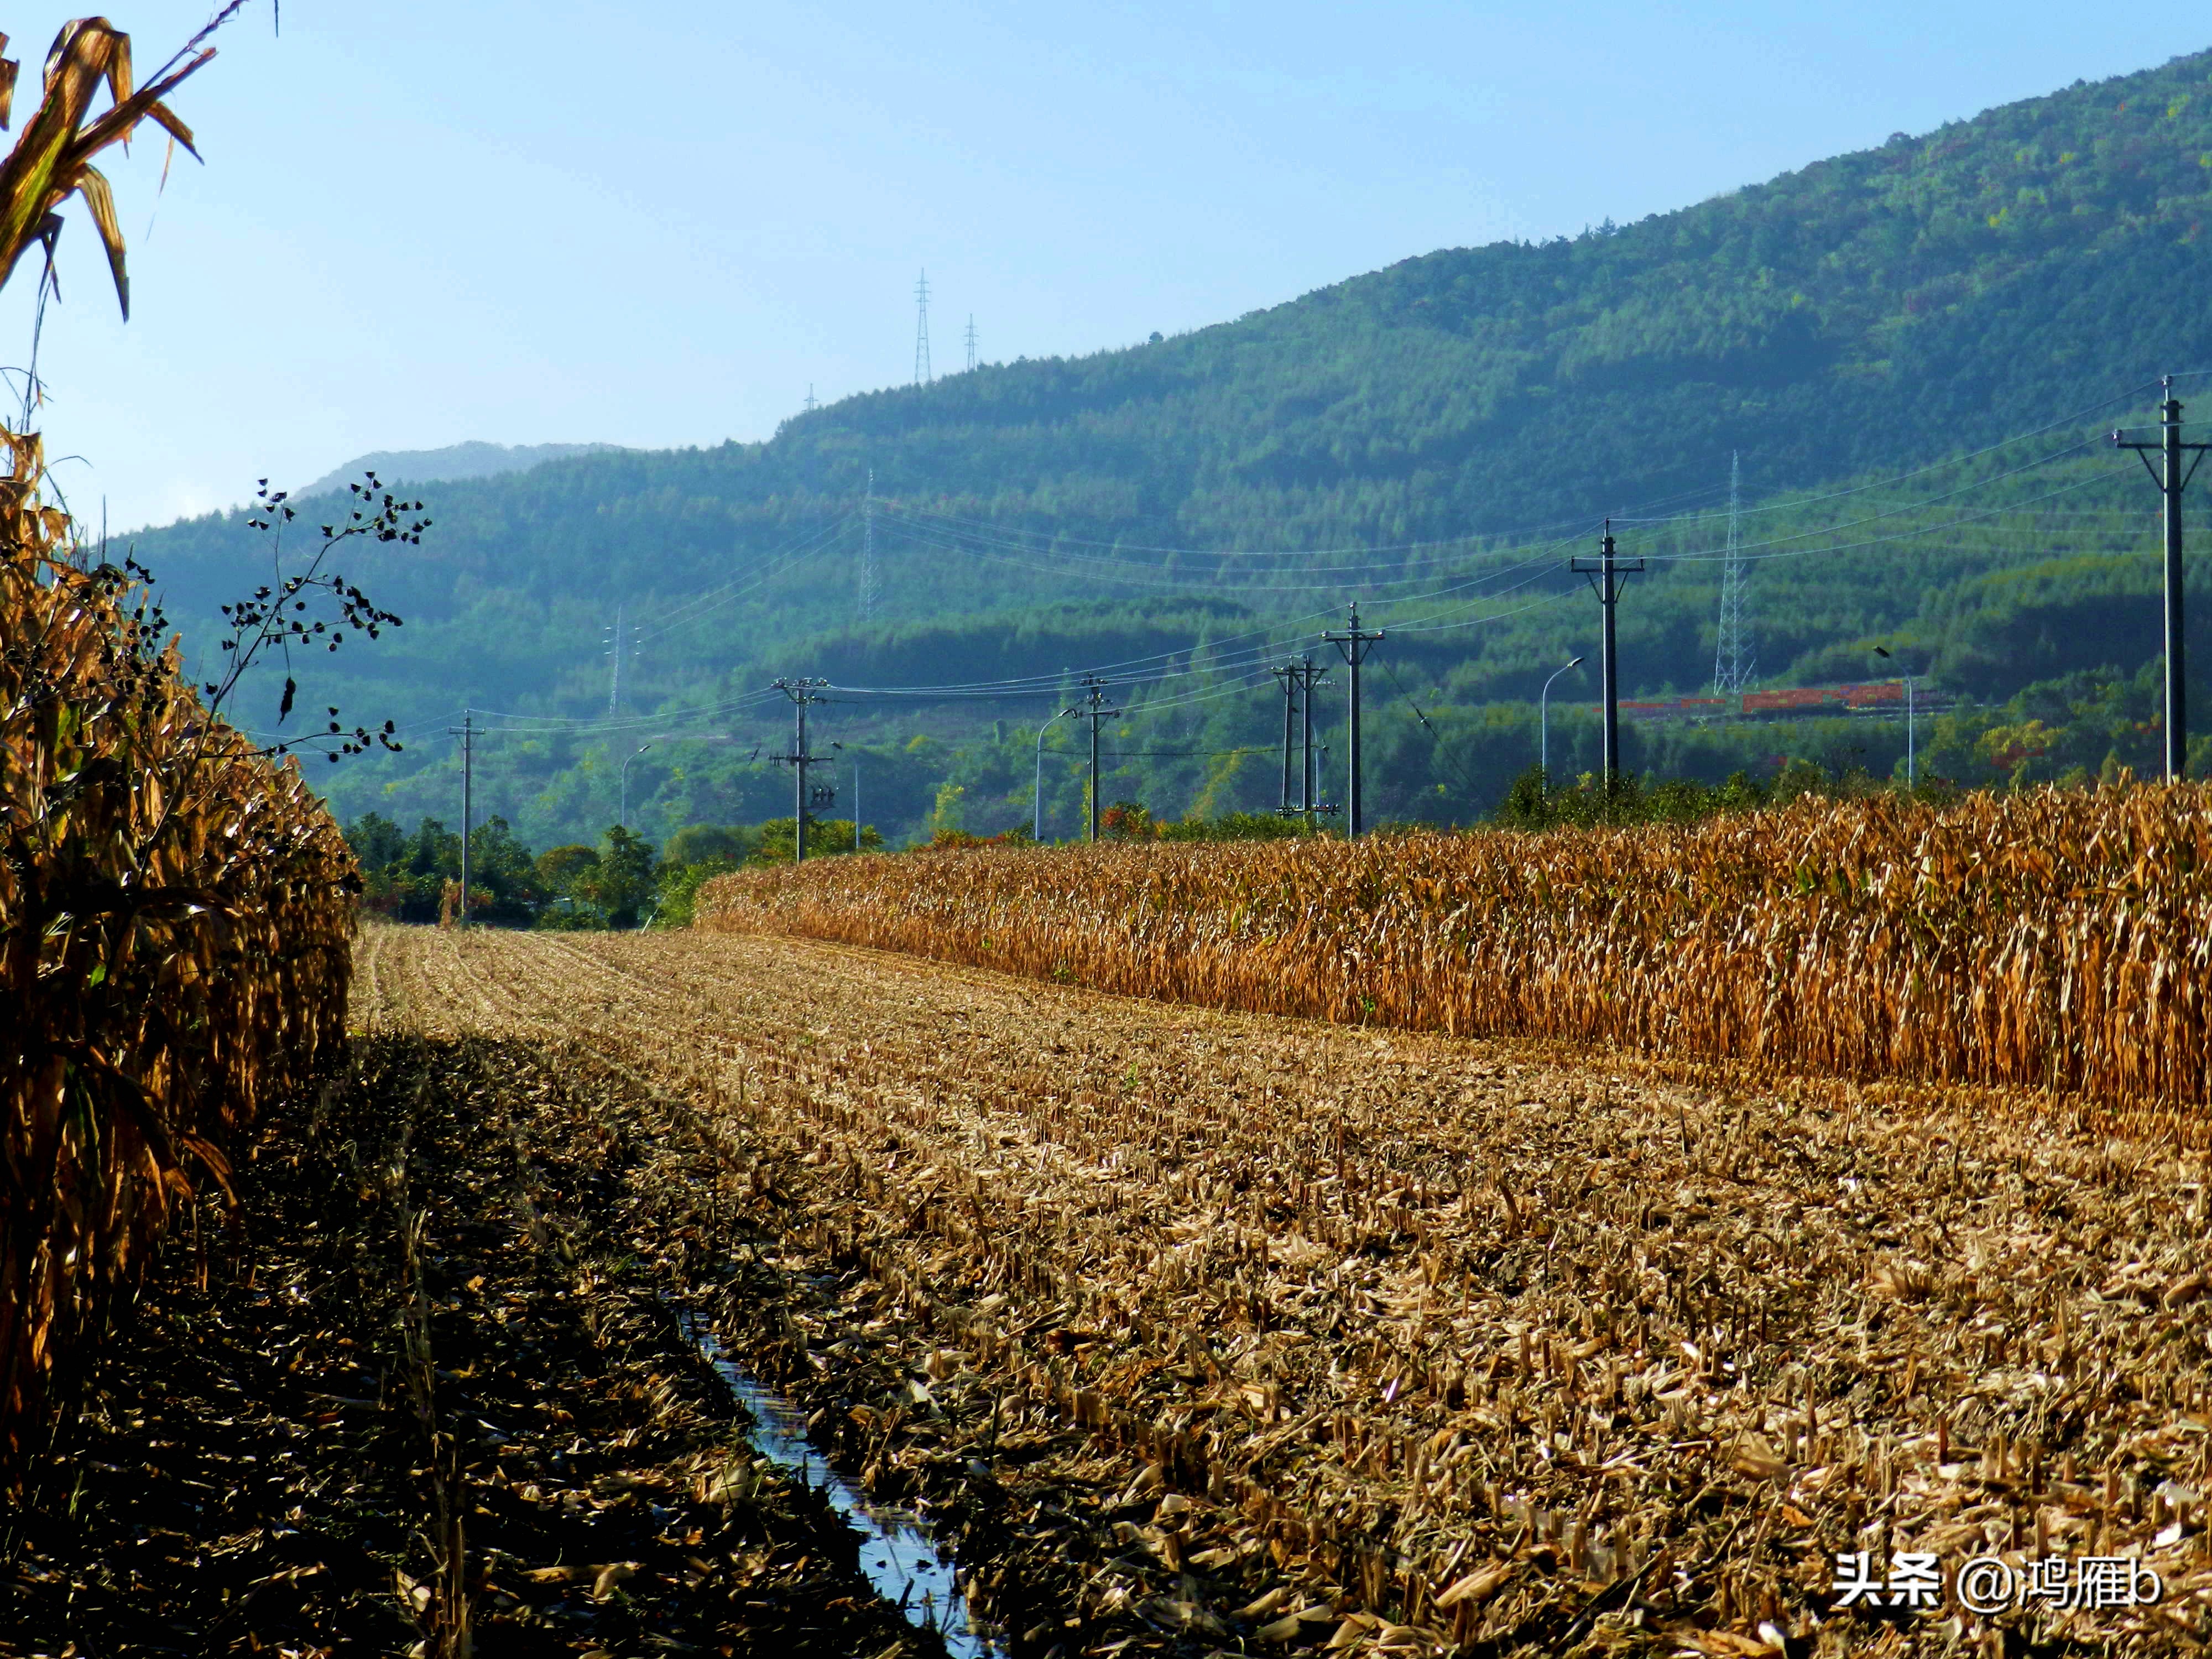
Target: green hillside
{"points": [[1942, 326]]}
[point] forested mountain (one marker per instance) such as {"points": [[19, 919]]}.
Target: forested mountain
{"points": [[1912, 350], [469, 460]]}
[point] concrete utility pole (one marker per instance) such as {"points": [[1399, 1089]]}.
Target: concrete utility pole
{"points": [[802, 692], [1606, 573], [1094, 709], [2171, 481], [1306, 804], [1298, 677], [1354, 644], [467, 734]]}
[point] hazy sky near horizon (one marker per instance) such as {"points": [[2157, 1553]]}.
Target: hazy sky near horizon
{"points": [[583, 221]]}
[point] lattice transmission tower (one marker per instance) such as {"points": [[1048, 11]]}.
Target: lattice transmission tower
{"points": [[1734, 663], [971, 340], [921, 374]]}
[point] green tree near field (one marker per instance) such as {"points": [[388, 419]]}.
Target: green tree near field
{"points": [[620, 885], [695, 855], [824, 837], [406, 877]]}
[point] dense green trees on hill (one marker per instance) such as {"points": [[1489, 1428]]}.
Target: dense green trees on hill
{"points": [[1452, 426]]}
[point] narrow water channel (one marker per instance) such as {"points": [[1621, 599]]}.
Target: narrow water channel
{"points": [[901, 1555]]}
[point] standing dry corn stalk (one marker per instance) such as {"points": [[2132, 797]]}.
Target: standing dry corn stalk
{"points": [[175, 909], [2056, 939]]}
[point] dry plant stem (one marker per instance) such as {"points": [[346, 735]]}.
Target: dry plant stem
{"points": [[1449, 1334], [440, 1609]]}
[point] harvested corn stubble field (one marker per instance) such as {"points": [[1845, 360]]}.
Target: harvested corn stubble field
{"points": [[1203, 1331]]}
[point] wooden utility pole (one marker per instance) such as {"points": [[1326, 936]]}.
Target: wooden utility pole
{"points": [[1606, 573], [2172, 481]]}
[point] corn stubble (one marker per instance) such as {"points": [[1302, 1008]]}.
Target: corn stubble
{"points": [[1320, 1338], [2052, 940]]}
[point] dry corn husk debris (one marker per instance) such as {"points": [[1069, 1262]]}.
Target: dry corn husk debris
{"points": [[1452, 1343], [251, 1473]]}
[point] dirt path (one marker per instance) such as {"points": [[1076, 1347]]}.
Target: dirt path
{"points": [[1218, 1329]]}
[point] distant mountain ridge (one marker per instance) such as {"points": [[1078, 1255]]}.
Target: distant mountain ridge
{"points": [[1866, 325], [473, 459]]}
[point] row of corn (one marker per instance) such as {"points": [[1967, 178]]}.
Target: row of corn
{"points": [[2053, 939], [175, 920]]}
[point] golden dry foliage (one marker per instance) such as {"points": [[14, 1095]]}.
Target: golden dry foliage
{"points": [[175, 920], [2056, 939], [52, 160]]}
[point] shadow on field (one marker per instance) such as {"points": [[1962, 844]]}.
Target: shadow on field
{"points": [[423, 1389]]}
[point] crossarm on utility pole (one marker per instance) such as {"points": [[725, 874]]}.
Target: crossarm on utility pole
{"points": [[2172, 480], [1354, 644], [1606, 573], [802, 692]]}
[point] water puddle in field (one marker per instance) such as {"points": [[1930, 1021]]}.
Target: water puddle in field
{"points": [[899, 1554]]}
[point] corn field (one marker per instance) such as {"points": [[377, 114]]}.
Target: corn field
{"points": [[175, 919], [2054, 941]]}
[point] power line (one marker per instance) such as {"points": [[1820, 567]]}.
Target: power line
{"points": [[1444, 754], [804, 544], [867, 597]]}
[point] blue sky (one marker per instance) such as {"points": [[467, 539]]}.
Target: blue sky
{"points": [[573, 222]]}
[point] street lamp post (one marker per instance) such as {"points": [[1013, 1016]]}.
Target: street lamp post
{"points": [[1544, 722], [1037, 832], [623, 816], [1909, 780]]}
